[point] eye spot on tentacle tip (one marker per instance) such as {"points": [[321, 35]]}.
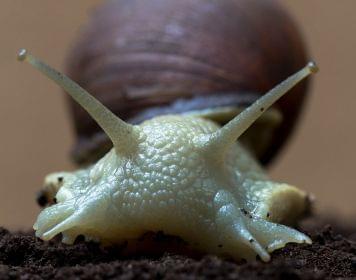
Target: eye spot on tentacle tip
{"points": [[251, 240], [60, 179], [220, 246], [268, 215]]}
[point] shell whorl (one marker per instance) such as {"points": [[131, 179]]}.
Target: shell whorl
{"points": [[144, 58]]}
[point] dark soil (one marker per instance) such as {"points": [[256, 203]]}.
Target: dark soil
{"points": [[332, 255]]}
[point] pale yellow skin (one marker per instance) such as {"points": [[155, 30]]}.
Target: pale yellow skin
{"points": [[171, 184], [183, 175]]}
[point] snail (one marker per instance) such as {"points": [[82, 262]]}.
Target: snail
{"points": [[213, 58], [181, 174]]}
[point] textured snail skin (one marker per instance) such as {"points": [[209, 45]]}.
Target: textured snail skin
{"points": [[225, 206], [140, 58], [183, 175]]}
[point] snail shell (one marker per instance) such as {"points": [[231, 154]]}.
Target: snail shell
{"points": [[146, 58]]}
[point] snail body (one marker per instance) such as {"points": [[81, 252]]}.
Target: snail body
{"points": [[183, 175]]}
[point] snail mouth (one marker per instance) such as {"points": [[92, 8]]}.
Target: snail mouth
{"points": [[42, 198], [45, 198]]}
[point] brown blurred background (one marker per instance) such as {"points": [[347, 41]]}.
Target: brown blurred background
{"points": [[36, 134]]}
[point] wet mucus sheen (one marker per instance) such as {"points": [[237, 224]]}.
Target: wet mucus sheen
{"points": [[183, 175]]}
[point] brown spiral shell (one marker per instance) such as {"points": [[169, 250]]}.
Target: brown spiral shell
{"points": [[142, 58]]}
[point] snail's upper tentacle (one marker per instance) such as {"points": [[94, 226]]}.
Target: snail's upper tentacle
{"points": [[123, 135], [222, 139]]}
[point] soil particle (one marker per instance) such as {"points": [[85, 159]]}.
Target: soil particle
{"points": [[22, 256]]}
